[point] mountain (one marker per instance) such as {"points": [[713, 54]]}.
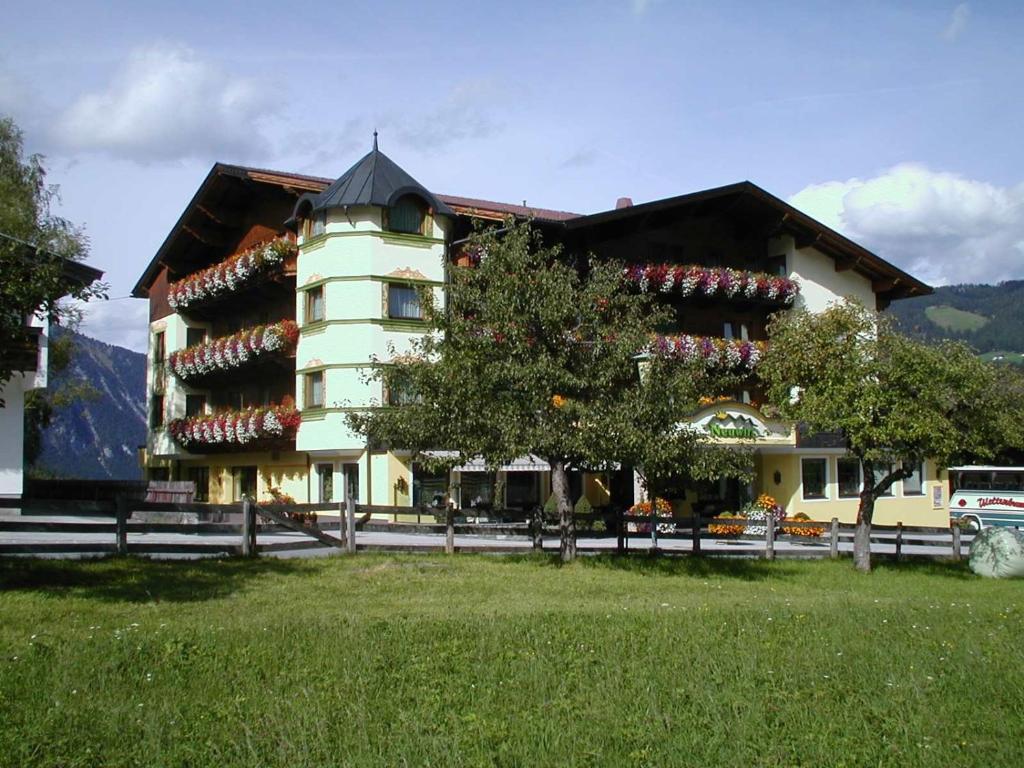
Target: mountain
{"points": [[988, 317], [98, 439]]}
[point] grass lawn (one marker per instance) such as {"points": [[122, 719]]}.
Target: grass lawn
{"points": [[477, 660]]}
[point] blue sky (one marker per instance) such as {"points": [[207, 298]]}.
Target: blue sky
{"points": [[897, 124]]}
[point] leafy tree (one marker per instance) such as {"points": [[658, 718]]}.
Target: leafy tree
{"points": [[35, 245], [536, 352], [894, 399]]}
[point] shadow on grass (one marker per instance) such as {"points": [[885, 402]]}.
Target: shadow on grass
{"points": [[138, 580], [945, 567]]}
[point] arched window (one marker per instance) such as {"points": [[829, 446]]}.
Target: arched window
{"points": [[407, 215]]}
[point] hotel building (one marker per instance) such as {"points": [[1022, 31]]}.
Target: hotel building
{"points": [[275, 294]]}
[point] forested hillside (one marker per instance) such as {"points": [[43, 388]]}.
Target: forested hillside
{"points": [[98, 438], [988, 317]]}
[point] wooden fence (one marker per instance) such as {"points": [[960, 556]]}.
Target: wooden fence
{"points": [[104, 527]]}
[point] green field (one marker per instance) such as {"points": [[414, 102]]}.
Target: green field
{"points": [[953, 319], [1015, 358], [477, 660]]}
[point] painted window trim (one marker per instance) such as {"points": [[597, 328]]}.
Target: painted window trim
{"points": [[423, 241], [924, 483], [426, 281]]}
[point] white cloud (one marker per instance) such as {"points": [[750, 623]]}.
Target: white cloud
{"points": [[169, 103], [467, 113], [957, 22], [939, 226], [121, 322]]}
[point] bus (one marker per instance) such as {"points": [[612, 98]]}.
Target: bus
{"points": [[987, 496]]}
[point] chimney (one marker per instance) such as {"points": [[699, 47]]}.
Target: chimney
{"points": [[624, 202]]}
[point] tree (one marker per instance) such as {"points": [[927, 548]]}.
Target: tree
{"points": [[896, 401], [537, 352], [36, 247]]}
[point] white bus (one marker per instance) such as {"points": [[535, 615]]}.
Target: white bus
{"points": [[985, 496]]}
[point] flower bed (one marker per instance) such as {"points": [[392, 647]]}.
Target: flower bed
{"points": [[694, 280], [720, 526], [811, 532], [230, 275], [714, 353], [230, 352], [759, 511], [271, 423], [643, 509]]}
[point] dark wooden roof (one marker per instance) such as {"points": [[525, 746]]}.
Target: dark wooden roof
{"points": [[376, 180], [772, 215]]}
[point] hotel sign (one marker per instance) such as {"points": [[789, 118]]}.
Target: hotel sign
{"points": [[738, 422]]}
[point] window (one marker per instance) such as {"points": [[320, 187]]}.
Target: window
{"points": [[195, 405], [428, 488], [477, 490], [156, 412], [727, 332], [325, 482], [159, 348], [404, 302], [314, 390], [315, 304], [316, 225], [351, 473], [401, 393], [881, 471], [814, 475], [848, 471], [195, 336], [243, 482], [914, 485], [407, 215], [200, 476]]}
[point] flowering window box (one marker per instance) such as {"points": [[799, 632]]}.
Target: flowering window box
{"points": [[231, 275], [264, 426], [730, 354], [711, 282], [229, 353]]}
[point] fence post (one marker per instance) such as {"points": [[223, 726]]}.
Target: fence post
{"points": [[350, 524], [620, 531], [833, 544], [341, 520], [899, 540], [247, 526], [957, 551], [538, 528], [122, 525], [696, 533], [449, 529], [769, 537]]}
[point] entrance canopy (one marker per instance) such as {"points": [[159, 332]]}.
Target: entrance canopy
{"points": [[528, 463]]}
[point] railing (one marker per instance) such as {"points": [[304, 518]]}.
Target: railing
{"points": [[711, 282], [257, 427], [229, 353], [231, 275]]}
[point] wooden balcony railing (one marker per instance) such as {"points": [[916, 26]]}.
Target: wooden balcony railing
{"points": [[269, 426], [234, 274], [712, 282], [239, 350]]}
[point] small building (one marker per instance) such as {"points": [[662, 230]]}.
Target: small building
{"points": [[276, 293], [29, 357]]}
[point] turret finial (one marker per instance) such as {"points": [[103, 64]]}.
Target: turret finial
{"points": [[374, 139]]}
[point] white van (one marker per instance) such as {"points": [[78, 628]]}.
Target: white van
{"points": [[985, 496]]}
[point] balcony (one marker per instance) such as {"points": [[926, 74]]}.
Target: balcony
{"points": [[242, 274], [270, 427], [242, 352], [712, 283], [723, 354]]}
